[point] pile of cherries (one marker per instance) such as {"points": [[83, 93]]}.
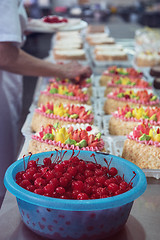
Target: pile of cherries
{"points": [[72, 179], [54, 19]]}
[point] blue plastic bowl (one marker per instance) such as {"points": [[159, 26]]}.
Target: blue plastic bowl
{"points": [[76, 219]]}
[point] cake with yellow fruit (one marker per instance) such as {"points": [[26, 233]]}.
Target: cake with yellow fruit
{"points": [[76, 136], [51, 113], [126, 118], [142, 146], [59, 93], [133, 97], [83, 83], [115, 71], [126, 83]]}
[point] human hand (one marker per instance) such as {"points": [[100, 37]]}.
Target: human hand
{"points": [[75, 71]]}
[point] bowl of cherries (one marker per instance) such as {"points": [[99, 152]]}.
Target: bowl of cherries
{"points": [[74, 194]]}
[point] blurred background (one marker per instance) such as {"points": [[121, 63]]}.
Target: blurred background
{"points": [[145, 12]]}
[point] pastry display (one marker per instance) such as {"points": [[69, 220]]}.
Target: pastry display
{"points": [[147, 58], [115, 71], [111, 55], [69, 54], [76, 136], [67, 94], [142, 146], [126, 118], [126, 83], [63, 114], [134, 98]]}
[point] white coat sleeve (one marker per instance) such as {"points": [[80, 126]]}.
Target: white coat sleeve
{"points": [[10, 29]]}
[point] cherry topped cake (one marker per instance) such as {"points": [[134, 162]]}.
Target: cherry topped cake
{"points": [[134, 98], [51, 113], [143, 146], [75, 136], [67, 94], [126, 118]]}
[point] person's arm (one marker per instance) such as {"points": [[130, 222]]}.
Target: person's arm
{"points": [[17, 61]]}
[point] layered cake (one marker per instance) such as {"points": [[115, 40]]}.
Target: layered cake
{"points": [[63, 114], [115, 71], [77, 136], [107, 47], [147, 59], [58, 93], [126, 118], [142, 146], [126, 83], [111, 55], [134, 98], [98, 39], [69, 54]]}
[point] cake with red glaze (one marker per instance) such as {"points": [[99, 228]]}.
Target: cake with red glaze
{"points": [[59, 93], [115, 71], [127, 83], [134, 98], [142, 146], [75, 136], [126, 118], [51, 113]]}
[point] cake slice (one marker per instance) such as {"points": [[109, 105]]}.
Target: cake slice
{"points": [[115, 71], [142, 147], [69, 54], [51, 113], [147, 59], [58, 93], [78, 137], [134, 98], [126, 118], [111, 55]]}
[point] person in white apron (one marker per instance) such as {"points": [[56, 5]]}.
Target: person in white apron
{"points": [[14, 63]]}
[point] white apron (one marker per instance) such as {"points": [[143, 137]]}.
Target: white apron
{"points": [[12, 25]]}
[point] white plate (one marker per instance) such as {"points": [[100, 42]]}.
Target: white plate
{"points": [[37, 25]]}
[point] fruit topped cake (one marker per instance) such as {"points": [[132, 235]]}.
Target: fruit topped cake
{"points": [[126, 118], [83, 83], [51, 113], [75, 136], [126, 82], [115, 71], [143, 146], [67, 94], [134, 98]]}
